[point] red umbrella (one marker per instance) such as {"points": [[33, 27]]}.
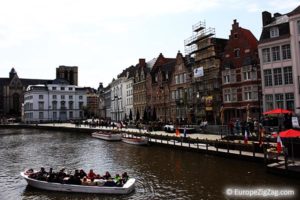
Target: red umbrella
{"points": [[277, 111], [291, 133]]}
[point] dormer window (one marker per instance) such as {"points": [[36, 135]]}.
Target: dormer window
{"points": [[274, 32], [236, 53]]}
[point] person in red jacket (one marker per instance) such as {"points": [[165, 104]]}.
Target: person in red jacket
{"points": [[91, 174]]}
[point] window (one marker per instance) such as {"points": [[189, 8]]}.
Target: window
{"points": [[80, 105], [53, 88], [70, 104], [227, 78], [276, 53], [54, 115], [80, 97], [62, 88], [247, 93], [277, 76], [237, 53], [70, 97], [286, 51], [70, 88], [41, 96], [298, 25], [41, 115], [233, 95], [269, 102], [274, 32], [176, 79], [54, 105], [62, 104], [279, 100], [41, 105], [54, 97], [266, 55], [289, 99], [288, 75], [71, 115], [246, 73], [227, 95], [62, 96], [268, 77]]}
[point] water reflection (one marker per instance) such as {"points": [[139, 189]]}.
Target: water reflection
{"points": [[161, 173]]}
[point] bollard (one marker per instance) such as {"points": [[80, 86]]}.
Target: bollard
{"points": [[253, 148]]}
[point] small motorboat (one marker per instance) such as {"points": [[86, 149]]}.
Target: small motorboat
{"points": [[136, 141], [61, 187], [110, 136]]}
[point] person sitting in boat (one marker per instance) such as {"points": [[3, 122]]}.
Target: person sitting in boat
{"points": [[84, 181], [98, 176], [74, 180], [29, 171], [76, 173], [42, 174], [107, 175], [51, 176], [82, 173], [118, 180], [61, 175], [91, 174], [125, 177]]}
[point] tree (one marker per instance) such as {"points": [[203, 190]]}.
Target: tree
{"points": [[145, 117], [130, 115], [137, 115], [154, 114]]}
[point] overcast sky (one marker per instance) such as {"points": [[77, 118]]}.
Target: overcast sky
{"points": [[103, 37]]}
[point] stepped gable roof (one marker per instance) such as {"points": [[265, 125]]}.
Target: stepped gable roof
{"points": [[253, 42], [164, 64]]}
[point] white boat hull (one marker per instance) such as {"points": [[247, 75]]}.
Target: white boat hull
{"points": [[126, 189], [136, 141], [108, 136]]}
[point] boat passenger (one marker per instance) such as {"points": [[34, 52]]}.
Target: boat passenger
{"points": [[84, 181], [61, 175], [42, 174], [118, 180], [76, 173], [82, 173], [91, 174], [29, 171], [125, 177], [107, 175]]}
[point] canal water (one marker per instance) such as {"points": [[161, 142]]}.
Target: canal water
{"points": [[161, 173]]}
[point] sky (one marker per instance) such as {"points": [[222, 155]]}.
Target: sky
{"points": [[103, 37]]}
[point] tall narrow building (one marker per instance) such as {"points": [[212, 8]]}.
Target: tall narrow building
{"points": [[207, 51], [241, 80], [279, 50]]}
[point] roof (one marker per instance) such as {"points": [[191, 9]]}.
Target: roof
{"points": [[295, 11]]}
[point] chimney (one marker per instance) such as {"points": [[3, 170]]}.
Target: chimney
{"points": [[266, 18], [142, 62], [277, 14], [235, 24]]}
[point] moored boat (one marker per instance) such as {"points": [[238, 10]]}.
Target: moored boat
{"points": [[107, 136], [136, 141], [60, 187]]}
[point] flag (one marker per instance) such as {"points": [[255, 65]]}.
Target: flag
{"points": [[177, 132], [279, 144], [246, 138]]}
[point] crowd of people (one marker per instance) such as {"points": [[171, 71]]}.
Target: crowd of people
{"points": [[79, 177]]}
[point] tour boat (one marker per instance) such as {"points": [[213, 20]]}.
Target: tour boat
{"points": [[60, 187], [107, 136], [136, 141]]}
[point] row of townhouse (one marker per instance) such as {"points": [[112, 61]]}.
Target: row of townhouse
{"points": [[236, 75]]}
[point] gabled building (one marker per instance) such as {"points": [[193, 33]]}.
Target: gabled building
{"points": [[241, 80], [139, 89], [279, 52], [207, 51], [181, 103], [158, 87]]}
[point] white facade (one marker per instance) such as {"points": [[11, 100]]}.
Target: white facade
{"points": [[118, 99], [129, 97], [54, 102], [280, 65]]}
